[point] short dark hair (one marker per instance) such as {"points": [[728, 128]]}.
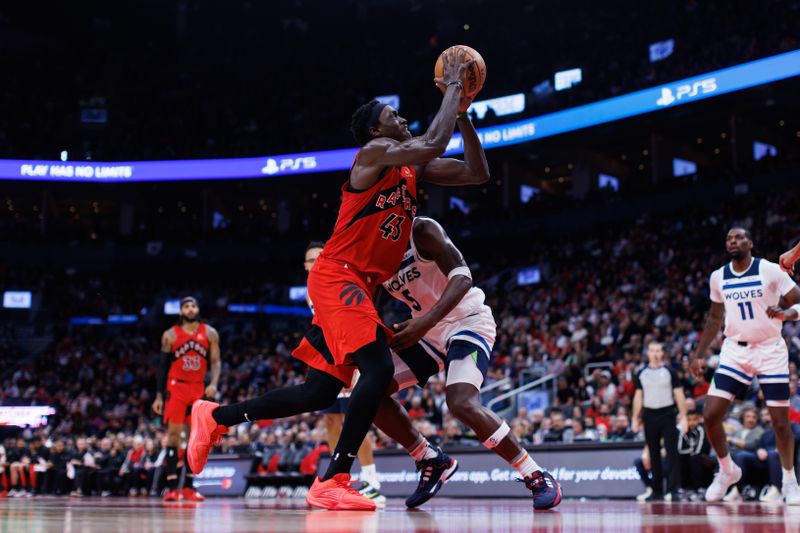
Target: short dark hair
{"points": [[359, 123], [746, 232], [315, 244]]}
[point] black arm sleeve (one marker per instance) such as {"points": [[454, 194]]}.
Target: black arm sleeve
{"points": [[162, 371]]}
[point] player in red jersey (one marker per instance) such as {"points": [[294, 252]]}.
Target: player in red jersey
{"points": [[187, 350], [367, 245]]}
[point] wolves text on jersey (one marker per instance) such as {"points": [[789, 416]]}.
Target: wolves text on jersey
{"points": [[403, 277]]}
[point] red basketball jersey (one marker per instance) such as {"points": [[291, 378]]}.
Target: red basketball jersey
{"points": [[189, 354], [372, 231]]}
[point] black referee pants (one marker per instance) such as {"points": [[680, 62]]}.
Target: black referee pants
{"points": [[661, 424]]}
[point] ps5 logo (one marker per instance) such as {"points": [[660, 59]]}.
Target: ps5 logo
{"points": [[289, 164], [688, 90]]}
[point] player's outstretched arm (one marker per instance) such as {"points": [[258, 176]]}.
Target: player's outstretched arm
{"points": [[789, 258], [712, 326], [216, 362], [433, 243], [474, 170]]}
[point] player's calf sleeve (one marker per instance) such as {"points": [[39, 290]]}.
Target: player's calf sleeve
{"points": [[523, 462], [172, 467], [318, 392], [375, 364]]}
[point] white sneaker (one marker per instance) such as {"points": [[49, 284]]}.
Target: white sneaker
{"points": [[770, 494], [12, 493], [646, 494], [791, 493], [722, 481], [733, 495]]}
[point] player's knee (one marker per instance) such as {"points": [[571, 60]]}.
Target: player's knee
{"points": [[462, 402], [781, 426], [712, 414]]}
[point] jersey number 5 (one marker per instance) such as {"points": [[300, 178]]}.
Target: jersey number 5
{"points": [[411, 300], [391, 227]]}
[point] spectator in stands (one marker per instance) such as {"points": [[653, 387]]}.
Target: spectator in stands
{"points": [[581, 433], [761, 466], [58, 481], [621, 430], [559, 431], [746, 438], [794, 401], [37, 471], [694, 449], [3, 467], [19, 460]]}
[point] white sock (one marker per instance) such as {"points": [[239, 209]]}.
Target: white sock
{"points": [[725, 464], [422, 450], [524, 464], [789, 477], [370, 475]]}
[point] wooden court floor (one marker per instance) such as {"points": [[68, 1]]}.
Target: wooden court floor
{"points": [[123, 515]]}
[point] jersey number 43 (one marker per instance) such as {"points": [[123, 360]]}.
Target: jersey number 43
{"points": [[391, 227]]}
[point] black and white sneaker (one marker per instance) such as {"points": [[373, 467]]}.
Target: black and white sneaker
{"points": [[433, 473]]}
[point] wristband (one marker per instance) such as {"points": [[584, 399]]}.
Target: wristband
{"points": [[459, 271], [461, 115], [796, 307]]}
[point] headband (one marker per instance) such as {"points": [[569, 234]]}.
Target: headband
{"points": [[375, 115], [188, 299]]}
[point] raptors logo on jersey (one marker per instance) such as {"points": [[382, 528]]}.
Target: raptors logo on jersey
{"points": [[374, 225], [190, 354]]}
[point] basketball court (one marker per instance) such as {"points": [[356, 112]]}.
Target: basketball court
{"points": [[95, 515]]}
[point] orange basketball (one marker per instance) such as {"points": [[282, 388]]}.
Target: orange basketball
{"points": [[476, 75]]}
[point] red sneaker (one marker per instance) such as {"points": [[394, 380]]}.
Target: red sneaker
{"points": [[192, 495], [172, 496], [205, 434], [337, 494]]}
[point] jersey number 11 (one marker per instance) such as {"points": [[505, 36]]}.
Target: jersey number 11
{"points": [[749, 310]]}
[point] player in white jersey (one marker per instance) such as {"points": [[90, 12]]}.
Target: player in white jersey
{"points": [[333, 416], [451, 328], [747, 292]]}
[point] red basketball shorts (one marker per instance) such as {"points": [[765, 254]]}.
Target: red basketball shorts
{"points": [[180, 397], [345, 319]]}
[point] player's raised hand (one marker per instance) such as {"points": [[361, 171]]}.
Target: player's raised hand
{"points": [[454, 67], [777, 312], [158, 405]]}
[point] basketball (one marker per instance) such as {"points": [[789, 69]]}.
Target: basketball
{"points": [[476, 75]]}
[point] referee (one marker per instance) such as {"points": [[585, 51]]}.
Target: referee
{"points": [[658, 390]]}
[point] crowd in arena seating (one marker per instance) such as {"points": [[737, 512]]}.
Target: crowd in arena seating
{"points": [[603, 299]]}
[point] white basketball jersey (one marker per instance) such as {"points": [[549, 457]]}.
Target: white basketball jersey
{"points": [[420, 284], [747, 296]]}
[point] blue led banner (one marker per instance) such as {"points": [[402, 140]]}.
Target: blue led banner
{"points": [[684, 91]]}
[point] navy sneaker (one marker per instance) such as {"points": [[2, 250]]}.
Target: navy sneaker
{"points": [[545, 489], [433, 473]]}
